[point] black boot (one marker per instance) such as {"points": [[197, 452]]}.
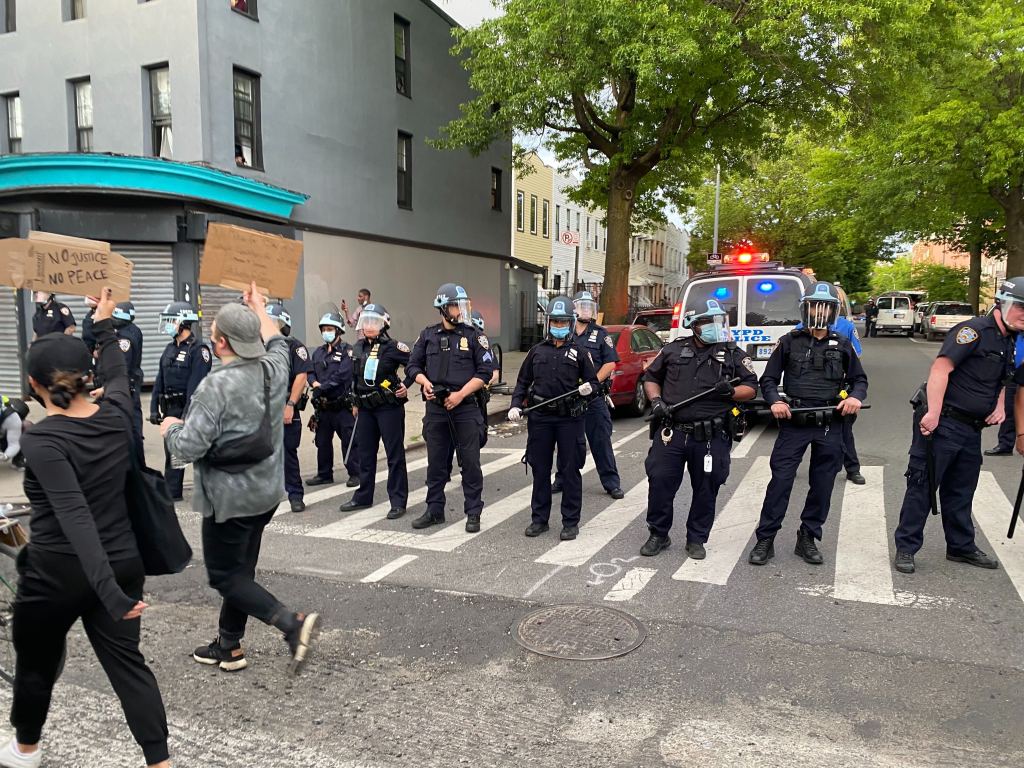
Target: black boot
{"points": [[655, 544], [976, 558], [806, 548], [426, 520], [762, 552]]}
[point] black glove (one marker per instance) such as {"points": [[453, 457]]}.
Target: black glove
{"points": [[658, 408], [154, 419], [725, 388]]}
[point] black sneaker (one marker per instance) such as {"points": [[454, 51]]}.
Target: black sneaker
{"points": [[976, 558], [301, 638], [297, 505], [904, 562], [617, 493], [230, 659], [695, 550], [856, 478], [569, 532], [999, 451], [807, 549], [536, 529], [352, 506], [426, 520], [395, 512], [762, 552], [655, 544], [320, 481], [472, 523]]}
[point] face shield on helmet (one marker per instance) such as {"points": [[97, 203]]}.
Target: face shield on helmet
{"points": [[558, 324], [373, 320], [585, 306], [175, 315], [819, 307], [710, 326], [331, 327], [478, 321], [453, 303], [1010, 299]]}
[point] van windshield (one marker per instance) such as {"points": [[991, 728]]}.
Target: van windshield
{"points": [[773, 301], [724, 290]]}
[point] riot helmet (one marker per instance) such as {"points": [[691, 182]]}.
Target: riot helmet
{"points": [[177, 315], [478, 321], [451, 295], [42, 298], [819, 307], [559, 317], [585, 306], [281, 317], [710, 326], [331, 327], [124, 313], [1010, 294], [373, 320]]}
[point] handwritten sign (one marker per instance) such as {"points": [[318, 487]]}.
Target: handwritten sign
{"points": [[235, 256], [60, 264]]}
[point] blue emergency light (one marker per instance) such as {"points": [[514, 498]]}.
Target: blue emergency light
{"points": [[766, 287], [722, 293]]}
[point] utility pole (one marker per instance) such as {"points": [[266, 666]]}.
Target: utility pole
{"points": [[718, 192]]}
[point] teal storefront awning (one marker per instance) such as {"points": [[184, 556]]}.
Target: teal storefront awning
{"points": [[68, 172]]}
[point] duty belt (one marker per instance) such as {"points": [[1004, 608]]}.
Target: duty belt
{"points": [[963, 417], [375, 399], [702, 430], [572, 406], [332, 403]]}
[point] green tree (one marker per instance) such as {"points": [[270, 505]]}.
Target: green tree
{"points": [[941, 282], [644, 94]]}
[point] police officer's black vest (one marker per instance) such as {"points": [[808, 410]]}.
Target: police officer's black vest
{"points": [[365, 352], [814, 372]]}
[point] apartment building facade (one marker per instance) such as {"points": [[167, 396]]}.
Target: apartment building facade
{"points": [[657, 266]]}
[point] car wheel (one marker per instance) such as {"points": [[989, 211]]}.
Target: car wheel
{"points": [[639, 405]]}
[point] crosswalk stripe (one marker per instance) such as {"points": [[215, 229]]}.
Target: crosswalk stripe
{"points": [[863, 565], [596, 534], [629, 586], [732, 531], [333, 491], [992, 513], [351, 527], [387, 569], [741, 449]]}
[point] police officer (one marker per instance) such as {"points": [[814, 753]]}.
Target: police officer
{"points": [[553, 368], [87, 335], [380, 396], [13, 417], [451, 362], [817, 367], [1007, 432], [129, 341], [484, 395], [51, 316], [698, 436], [961, 399], [183, 364], [331, 379], [871, 319], [300, 366], [598, 421]]}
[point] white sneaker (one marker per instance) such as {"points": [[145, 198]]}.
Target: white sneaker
{"points": [[10, 757]]}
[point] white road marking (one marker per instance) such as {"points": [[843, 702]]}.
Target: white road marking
{"points": [[333, 491], [992, 514], [732, 531], [597, 533], [542, 580], [387, 569], [629, 586], [863, 565], [741, 450]]}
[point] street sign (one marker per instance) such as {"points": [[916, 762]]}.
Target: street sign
{"points": [[714, 258], [569, 238]]}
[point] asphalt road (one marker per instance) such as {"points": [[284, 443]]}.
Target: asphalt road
{"points": [[844, 664]]}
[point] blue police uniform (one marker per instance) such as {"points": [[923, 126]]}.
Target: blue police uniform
{"points": [[547, 372], [683, 369], [183, 365], [381, 417], [87, 333], [598, 420], [52, 317], [332, 368], [983, 361], [300, 364], [1007, 430], [450, 359], [129, 341], [814, 372]]}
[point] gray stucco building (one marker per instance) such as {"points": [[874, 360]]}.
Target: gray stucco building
{"points": [[138, 122]]}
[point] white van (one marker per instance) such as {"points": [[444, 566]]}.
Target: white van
{"points": [[763, 302], [895, 314]]}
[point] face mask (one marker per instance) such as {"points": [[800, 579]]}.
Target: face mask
{"points": [[709, 333], [171, 329], [42, 298], [329, 336], [559, 333]]}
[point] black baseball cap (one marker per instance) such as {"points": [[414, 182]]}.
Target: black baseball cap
{"points": [[57, 352]]}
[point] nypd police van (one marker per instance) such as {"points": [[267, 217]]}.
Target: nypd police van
{"points": [[762, 298]]}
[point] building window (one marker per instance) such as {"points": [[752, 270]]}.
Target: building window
{"points": [[577, 221], [245, 7], [83, 115], [533, 214], [558, 283], [402, 56], [545, 209], [74, 9], [8, 21], [495, 189], [12, 108], [248, 136], [519, 211], [160, 111], [558, 218], [404, 170]]}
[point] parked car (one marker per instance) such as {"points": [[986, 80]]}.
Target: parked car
{"points": [[637, 346], [919, 313], [943, 315], [657, 320]]}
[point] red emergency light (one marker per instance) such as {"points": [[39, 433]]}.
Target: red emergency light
{"points": [[745, 258]]}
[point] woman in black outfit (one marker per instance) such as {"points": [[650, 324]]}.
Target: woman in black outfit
{"points": [[82, 561]]}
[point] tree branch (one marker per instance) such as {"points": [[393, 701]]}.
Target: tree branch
{"points": [[600, 141]]}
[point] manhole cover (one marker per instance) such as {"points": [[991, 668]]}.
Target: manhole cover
{"points": [[579, 632]]}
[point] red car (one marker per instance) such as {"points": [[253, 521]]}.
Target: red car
{"points": [[637, 346]]}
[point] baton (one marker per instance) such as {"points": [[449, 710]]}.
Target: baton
{"points": [[700, 395], [1016, 506], [929, 460], [455, 437], [551, 400], [803, 409], [344, 459]]}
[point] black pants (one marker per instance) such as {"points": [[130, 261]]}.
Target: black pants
{"points": [[328, 425], [231, 550], [292, 476], [851, 461], [597, 431], [1007, 430], [871, 327], [52, 594], [175, 477], [437, 433], [545, 432], [386, 423]]}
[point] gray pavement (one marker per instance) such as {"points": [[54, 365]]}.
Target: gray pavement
{"points": [[845, 664]]}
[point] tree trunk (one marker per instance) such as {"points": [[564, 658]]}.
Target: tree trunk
{"points": [[615, 291], [974, 274], [1013, 205]]}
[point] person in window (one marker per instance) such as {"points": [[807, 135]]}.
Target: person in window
{"points": [[82, 561], [239, 155]]}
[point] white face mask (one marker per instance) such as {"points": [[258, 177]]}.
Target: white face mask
{"points": [[42, 298]]}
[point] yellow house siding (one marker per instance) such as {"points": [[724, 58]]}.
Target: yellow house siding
{"points": [[531, 231]]}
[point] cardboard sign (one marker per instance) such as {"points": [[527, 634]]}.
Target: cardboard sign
{"points": [[235, 256], [60, 264]]}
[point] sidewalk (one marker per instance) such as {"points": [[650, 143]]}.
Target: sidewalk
{"points": [[11, 479]]}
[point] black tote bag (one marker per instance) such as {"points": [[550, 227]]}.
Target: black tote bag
{"points": [[162, 546]]}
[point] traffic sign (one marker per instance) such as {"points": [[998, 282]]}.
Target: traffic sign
{"points": [[714, 258], [569, 238]]}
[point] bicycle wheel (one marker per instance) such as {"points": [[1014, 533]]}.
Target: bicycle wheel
{"points": [[8, 589]]}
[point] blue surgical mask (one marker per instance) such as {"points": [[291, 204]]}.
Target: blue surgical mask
{"points": [[709, 333], [329, 336], [559, 333], [171, 329]]}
